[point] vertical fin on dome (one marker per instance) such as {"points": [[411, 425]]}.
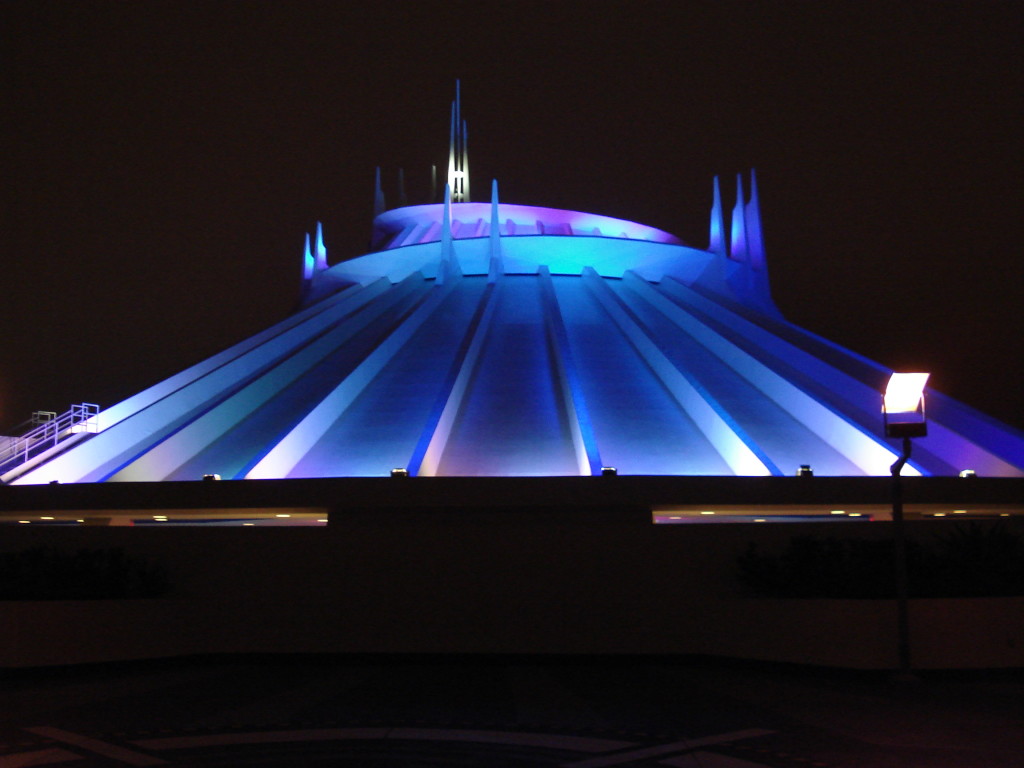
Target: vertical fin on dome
{"points": [[378, 196], [446, 224], [762, 292], [448, 260], [433, 185], [286, 453], [574, 405], [716, 237], [735, 447], [738, 233], [320, 263], [307, 261], [427, 455], [496, 265]]}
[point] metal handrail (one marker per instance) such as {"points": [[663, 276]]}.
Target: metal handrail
{"points": [[50, 432]]}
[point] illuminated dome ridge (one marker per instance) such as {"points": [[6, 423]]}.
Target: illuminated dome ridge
{"points": [[489, 339], [417, 224], [485, 239]]}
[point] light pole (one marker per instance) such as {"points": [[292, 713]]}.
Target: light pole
{"points": [[904, 417]]}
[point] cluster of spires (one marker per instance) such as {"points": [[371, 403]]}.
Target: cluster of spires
{"points": [[745, 242], [458, 166], [314, 261], [448, 259], [458, 158]]}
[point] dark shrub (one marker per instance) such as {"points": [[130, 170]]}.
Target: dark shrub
{"points": [[973, 560], [46, 573]]}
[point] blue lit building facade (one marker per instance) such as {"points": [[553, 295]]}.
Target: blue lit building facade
{"points": [[501, 340]]}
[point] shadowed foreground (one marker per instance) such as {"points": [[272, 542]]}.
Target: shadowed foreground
{"points": [[504, 711]]}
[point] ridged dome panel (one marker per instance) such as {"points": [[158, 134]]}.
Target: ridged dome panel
{"points": [[515, 355]]}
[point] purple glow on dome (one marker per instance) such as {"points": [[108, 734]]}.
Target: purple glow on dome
{"points": [[417, 224], [510, 340]]}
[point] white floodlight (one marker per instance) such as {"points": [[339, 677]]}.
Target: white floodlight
{"points": [[903, 405]]}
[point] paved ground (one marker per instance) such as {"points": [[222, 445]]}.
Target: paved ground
{"points": [[582, 712]]}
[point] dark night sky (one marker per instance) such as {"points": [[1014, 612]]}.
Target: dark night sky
{"points": [[163, 160]]}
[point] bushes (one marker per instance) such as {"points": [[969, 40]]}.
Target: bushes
{"points": [[973, 560], [46, 573]]}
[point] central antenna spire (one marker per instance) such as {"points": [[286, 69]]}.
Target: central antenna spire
{"points": [[458, 158]]}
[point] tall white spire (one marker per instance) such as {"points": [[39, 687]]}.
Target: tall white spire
{"points": [[458, 157]]}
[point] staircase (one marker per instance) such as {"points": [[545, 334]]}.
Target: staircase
{"points": [[47, 429]]}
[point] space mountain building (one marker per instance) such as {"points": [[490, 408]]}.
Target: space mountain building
{"points": [[495, 339]]}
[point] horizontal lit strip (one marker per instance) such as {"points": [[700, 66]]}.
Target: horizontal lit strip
{"points": [[669, 514]]}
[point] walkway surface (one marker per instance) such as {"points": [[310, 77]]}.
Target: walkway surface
{"points": [[504, 711]]}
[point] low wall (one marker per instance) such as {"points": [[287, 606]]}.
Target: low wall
{"points": [[979, 633], [575, 581]]}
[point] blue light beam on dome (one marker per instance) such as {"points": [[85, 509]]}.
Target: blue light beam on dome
{"points": [[509, 340]]}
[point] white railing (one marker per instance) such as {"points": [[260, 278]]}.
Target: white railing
{"points": [[51, 429]]}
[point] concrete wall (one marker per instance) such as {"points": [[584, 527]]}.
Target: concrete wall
{"points": [[485, 581]]}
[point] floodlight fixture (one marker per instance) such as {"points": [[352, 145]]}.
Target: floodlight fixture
{"points": [[400, 472], [903, 405], [903, 414], [805, 471], [609, 471]]}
